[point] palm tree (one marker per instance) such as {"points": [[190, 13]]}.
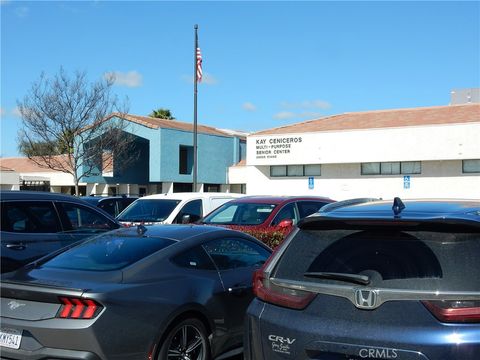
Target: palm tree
{"points": [[161, 113]]}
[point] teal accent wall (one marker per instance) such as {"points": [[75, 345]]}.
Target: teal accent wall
{"points": [[214, 153], [160, 156]]}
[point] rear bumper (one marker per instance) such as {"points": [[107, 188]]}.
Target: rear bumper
{"points": [[47, 353], [276, 333]]}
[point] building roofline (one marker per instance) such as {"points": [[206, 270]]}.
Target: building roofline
{"points": [[350, 123]]}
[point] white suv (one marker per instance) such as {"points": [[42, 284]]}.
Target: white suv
{"points": [[173, 208]]}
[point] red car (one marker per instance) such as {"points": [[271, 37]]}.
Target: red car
{"points": [[265, 211]]}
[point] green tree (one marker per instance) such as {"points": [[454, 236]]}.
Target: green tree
{"points": [[162, 113]]}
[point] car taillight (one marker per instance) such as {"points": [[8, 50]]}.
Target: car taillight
{"points": [[265, 290], [459, 311], [75, 308]]}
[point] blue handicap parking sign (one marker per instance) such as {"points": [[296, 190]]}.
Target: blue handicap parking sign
{"points": [[406, 182], [311, 182]]}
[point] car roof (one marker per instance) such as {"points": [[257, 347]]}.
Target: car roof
{"points": [[176, 232], [96, 199], [265, 199], [36, 195], [414, 209], [190, 195]]}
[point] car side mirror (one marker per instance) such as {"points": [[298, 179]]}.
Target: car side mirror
{"points": [[186, 219], [285, 223]]}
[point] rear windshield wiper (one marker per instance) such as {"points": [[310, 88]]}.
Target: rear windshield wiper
{"points": [[353, 278]]}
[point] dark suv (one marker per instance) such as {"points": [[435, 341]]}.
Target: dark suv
{"points": [[113, 205], [372, 280], [35, 223]]}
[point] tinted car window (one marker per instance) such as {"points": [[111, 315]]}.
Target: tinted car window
{"points": [[195, 258], [390, 258], [108, 252], [29, 217], [244, 214], [149, 210], [306, 208], [287, 212], [235, 253], [193, 209], [108, 205], [82, 218]]}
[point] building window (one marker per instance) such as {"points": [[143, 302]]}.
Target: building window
{"points": [[211, 187], [185, 160], [312, 170], [391, 168], [471, 166], [411, 167], [278, 170], [371, 168], [295, 170], [107, 163]]}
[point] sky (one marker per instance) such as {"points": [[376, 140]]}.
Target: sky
{"points": [[265, 64]]}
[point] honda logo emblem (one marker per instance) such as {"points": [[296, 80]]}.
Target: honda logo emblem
{"points": [[365, 299]]}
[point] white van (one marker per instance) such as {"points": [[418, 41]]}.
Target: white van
{"points": [[173, 208]]}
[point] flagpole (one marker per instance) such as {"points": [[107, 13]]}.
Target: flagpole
{"points": [[195, 110]]}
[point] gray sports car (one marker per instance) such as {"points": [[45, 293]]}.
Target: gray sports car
{"points": [[157, 292]]}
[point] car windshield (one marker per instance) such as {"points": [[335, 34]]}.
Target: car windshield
{"points": [[240, 214], [151, 210], [108, 252]]}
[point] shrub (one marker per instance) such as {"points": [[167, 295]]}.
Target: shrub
{"points": [[271, 236]]}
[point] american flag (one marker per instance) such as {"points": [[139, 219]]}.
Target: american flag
{"points": [[199, 65]]}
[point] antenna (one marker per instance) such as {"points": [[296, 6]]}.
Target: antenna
{"points": [[398, 206]]}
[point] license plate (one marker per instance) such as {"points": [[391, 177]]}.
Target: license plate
{"points": [[10, 338]]}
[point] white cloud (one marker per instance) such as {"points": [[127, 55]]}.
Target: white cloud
{"points": [[248, 106], [22, 11], [301, 110], [16, 112], [287, 115], [207, 79], [307, 104], [284, 115], [129, 79]]}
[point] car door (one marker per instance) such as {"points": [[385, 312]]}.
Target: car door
{"points": [[29, 230], [80, 221], [190, 212], [288, 212], [236, 260]]}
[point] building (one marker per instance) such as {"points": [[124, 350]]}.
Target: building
{"points": [[165, 159], [21, 173], [412, 153]]}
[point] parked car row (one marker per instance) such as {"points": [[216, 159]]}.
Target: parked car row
{"points": [[356, 279]]}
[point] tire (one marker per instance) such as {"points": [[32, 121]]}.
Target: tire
{"points": [[188, 340]]}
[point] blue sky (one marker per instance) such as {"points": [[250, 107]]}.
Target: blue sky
{"points": [[266, 64]]}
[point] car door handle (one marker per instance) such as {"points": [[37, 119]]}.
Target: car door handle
{"points": [[16, 246], [237, 289]]}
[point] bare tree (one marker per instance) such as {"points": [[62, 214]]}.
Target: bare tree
{"points": [[67, 115]]}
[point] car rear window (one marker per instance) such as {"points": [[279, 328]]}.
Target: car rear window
{"points": [[391, 258], [152, 210], [108, 252]]}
